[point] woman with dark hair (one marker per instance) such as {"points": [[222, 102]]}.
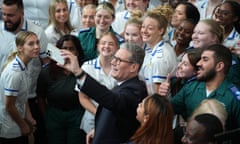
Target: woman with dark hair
{"points": [[185, 73], [186, 70], [77, 44], [59, 102], [155, 115], [183, 37], [228, 15], [183, 11]]}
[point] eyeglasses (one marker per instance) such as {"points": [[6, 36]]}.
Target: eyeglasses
{"points": [[119, 60], [223, 13]]}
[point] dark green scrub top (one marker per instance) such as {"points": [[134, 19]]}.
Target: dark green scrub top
{"points": [[191, 95], [89, 41]]}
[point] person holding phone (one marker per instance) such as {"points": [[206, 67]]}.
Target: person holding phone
{"points": [[59, 102]]}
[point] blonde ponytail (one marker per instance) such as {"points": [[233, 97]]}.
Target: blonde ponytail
{"points": [[9, 59]]}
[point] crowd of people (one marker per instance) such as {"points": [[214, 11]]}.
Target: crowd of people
{"points": [[135, 71]]}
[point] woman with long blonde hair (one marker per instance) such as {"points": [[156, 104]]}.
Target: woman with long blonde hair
{"points": [[58, 23]]}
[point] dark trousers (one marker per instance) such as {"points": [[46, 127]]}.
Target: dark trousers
{"points": [[63, 127], [40, 132], [18, 140]]}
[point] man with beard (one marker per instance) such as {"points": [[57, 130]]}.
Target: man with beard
{"points": [[212, 69], [12, 23]]}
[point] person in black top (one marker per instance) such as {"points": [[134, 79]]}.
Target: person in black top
{"points": [[59, 101]]}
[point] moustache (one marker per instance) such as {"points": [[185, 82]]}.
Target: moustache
{"points": [[8, 22]]}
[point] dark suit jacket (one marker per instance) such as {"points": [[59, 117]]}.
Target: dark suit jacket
{"points": [[115, 121]]}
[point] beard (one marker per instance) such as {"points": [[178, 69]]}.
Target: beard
{"points": [[13, 27], [207, 76]]}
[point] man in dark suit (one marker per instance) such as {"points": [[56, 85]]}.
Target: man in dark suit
{"points": [[115, 120]]}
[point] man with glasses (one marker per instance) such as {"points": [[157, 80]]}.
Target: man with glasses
{"points": [[115, 120]]}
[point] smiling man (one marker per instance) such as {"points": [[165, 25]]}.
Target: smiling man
{"points": [[212, 69], [115, 120]]}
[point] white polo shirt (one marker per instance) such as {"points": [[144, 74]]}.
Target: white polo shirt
{"points": [[52, 35], [202, 8], [93, 68], [120, 21], [14, 81], [7, 46], [158, 62], [169, 36], [75, 14], [232, 39], [37, 11]]}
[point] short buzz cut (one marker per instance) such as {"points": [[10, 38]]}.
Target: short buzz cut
{"points": [[19, 3], [211, 124]]}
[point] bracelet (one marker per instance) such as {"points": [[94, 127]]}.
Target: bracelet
{"points": [[80, 75]]}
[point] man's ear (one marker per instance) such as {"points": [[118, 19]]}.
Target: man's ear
{"points": [[219, 66], [134, 67]]}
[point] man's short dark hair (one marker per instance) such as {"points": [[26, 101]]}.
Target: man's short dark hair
{"points": [[221, 54], [211, 124], [19, 3]]}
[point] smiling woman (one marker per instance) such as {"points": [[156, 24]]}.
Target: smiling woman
{"points": [[227, 15], [183, 11], [183, 37], [160, 57], [89, 37], [100, 69], [206, 33], [58, 23]]}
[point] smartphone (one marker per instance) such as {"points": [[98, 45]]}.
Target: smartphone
{"points": [[54, 53]]}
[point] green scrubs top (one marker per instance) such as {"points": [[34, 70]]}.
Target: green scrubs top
{"points": [[89, 42], [191, 95]]}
